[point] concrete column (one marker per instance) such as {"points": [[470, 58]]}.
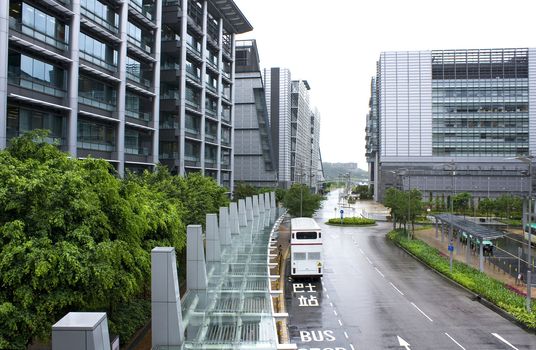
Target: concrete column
{"points": [[233, 218], [81, 330], [225, 228], [182, 108], [156, 81], [273, 205], [166, 320], [249, 209], [196, 269], [4, 44], [255, 200], [219, 107], [233, 65], [262, 222], [213, 239], [468, 252], [242, 216], [436, 232], [121, 96], [268, 210], [442, 232], [72, 121], [203, 87]]}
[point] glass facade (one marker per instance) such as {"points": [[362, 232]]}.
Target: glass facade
{"points": [[96, 93], [138, 142], [138, 107], [140, 38], [38, 24], [34, 74], [97, 52], [96, 136], [21, 120], [101, 14], [480, 102]]}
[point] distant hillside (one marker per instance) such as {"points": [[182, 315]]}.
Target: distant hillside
{"points": [[333, 170]]}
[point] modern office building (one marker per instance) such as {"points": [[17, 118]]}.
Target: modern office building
{"points": [[90, 72], [196, 90], [450, 121], [254, 162], [277, 85], [300, 132]]}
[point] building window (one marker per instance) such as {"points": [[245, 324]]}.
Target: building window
{"points": [[95, 136], [140, 38], [100, 14], [39, 25], [137, 142], [97, 94], [97, 52], [37, 75], [21, 120]]}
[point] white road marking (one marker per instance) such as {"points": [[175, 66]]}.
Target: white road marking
{"points": [[346, 334], [330, 304], [335, 312], [454, 340], [398, 290], [325, 289], [352, 347], [361, 250], [504, 341], [327, 295], [425, 315], [370, 262], [378, 271], [340, 322]]}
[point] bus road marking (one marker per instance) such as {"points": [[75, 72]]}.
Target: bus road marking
{"points": [[361, 250], [335, 312], [346, 334], [422, 312], [398, 290], [330, 304], [340, 323], [370, 262], [352, 347]]}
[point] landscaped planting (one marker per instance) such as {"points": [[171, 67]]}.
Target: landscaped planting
{"points": [[352, 221], [474, 280]]}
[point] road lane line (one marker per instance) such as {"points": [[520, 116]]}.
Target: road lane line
{"points": [[352, 347], [346, 334], [340, 322], [370, 262], [378, 271], [504, 341], [425, 315], [330, 304], [327, 295], [361, 250], [335, 312], [398, 290], [454, 340], [325, 289]]}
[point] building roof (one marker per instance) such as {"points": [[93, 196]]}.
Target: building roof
{"points": [[474, 229], [233, 18]]}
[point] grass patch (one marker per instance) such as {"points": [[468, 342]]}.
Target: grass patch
{"points": [[474, 280], [351, 221]]}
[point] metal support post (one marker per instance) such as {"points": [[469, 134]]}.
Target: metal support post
{"points": [[481, 257], [529, 289]]}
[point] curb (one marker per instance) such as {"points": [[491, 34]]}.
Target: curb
{"points": [[343, 225], [475, 296]]}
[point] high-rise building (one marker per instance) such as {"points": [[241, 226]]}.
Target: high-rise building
{"points": [[196, 91], [300, 134], [90, 72], [254, 161], [277, 85], [450, 121]]}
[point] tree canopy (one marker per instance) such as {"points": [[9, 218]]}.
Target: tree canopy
{"points": [[75, 237], [300, 201]]}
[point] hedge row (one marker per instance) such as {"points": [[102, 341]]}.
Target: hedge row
{"points": [[355, 221], [469, 277]]}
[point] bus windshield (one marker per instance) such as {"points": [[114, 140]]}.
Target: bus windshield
{"points": [[306, 235]]}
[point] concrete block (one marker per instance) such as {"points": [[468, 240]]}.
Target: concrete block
{"points": [[196, 269], [249, 209], [225, 228], [242, 216], [81, 330], [233, 218], [213, 238]]}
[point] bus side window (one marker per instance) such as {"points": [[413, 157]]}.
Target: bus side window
{"points": [[319, 234]]}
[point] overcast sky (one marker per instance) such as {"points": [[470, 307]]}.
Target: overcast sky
{"points": [[334, 45]]}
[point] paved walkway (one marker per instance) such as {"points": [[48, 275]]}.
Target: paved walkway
{"points": [[428, 236]]}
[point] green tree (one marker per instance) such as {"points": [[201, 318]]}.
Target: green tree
{"points": [[363, 191], [507, 206], [300, 201], [487, 206], [243, 190], [461, 202], [405, 206]]}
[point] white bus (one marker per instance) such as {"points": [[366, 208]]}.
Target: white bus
{"points": [[306, 250]]}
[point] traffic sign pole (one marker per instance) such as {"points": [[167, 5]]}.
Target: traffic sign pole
{"points": [[342, 216]]}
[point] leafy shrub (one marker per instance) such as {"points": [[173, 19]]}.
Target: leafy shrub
{"points": [[352, 221], [469, 277]]}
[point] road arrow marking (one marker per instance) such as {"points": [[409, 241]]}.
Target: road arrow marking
{"points": [[403, 343], [504, 341]]}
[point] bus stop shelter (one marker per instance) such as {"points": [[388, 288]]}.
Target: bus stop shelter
{"points": [[481, 233]]}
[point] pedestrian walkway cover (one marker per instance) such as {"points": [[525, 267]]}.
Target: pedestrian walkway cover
{"points": [[470, 227]]}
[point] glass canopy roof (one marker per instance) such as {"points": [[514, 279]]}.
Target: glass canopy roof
{"points": [[235, 312]]}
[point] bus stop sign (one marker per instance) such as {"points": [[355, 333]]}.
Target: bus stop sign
{"points": [[451, 248]]}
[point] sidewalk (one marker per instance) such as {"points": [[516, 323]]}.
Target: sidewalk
{"points": [[428, 236], [283, 244]]}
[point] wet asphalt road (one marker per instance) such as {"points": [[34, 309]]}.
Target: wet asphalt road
{"points": [[372, 293]]}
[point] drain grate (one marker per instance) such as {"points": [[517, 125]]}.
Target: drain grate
{"points": [[227, 305], [256, 285], [256, 305]]}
